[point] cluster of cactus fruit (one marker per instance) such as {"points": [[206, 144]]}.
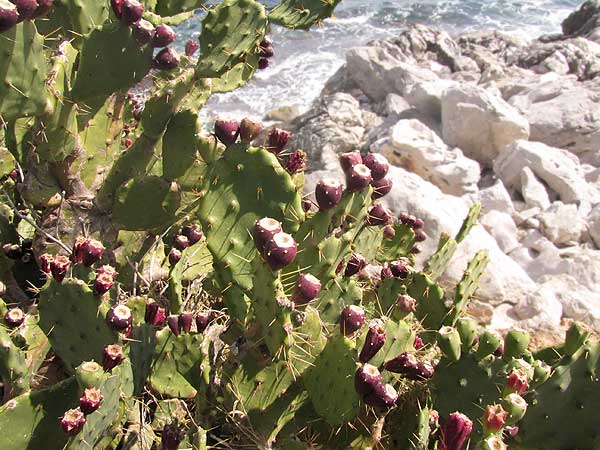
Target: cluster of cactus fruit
{"points": [[165, 287]]}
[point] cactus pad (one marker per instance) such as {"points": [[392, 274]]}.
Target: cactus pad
{"points": [[302, 14]]}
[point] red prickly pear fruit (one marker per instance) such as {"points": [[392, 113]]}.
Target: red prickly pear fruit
{"points": [[266, 42], [375, 339], [107, 270], [43, 7], [202, 321], [379, 215], [143, 32], [415, 250], [499, 352], [296, 162], [405, 304], [352, 319], [128, 143], [494, 418], [103, 283], [356, 263], [386, 272], [418, 343], [249, 130], [26, 9], [181, 242], [119, 318], [227, 131], [389, 232], [307, 205], [117, 7], [59, 266], [420, 235], [263, 63], [381, 188], [281, 251], [455, 431], [411, 221], [425, 370], [418, 223], [349, 160], [14, 317], [9, 15], [131, 12], [378, 164], [174, 256], [151, 310], [264, 230], [358, 177], [93, 251], [307, 289], [328, 193], [166, 59], [171, 437], [383, 396], [91, 400], [511, 431], [401, 268], [193, 233], [112, 356], [405, 363], [434, 419], [72, 421], [173, 323], [278, 140], [517, 382], [78, 248], [266, 52], [163, 35], [185, 321], [45, 261], [191, 47], [366, 378]]}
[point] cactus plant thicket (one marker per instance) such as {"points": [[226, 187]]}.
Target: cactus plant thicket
{"points": [[167, 288]]}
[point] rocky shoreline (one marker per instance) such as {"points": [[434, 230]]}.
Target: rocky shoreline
{"points": [[484, 117]]}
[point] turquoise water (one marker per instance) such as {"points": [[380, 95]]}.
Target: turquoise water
{"points": [[305, 60]]}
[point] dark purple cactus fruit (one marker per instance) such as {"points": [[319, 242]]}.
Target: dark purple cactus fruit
{"points": [[151, 310], [131, 12], [103, 283], [405, 363], [112, 356], [14, 317], [202, 321], [143, 32], [349, 160], [191, 47], [93, 251], [45, 261], [425, 370], [379, 215], [107, 270], [358, 177], [59, 266], [166, 59], [72, 421], [280, 251], [227, 131], [249, 130], [386, 272], [43, 7], [307, 289], [406, 304], [401, 268], [193, 233], [173, 323], [174, 256], [119, 318], [434, 419], [418, 343], [517, 382], [328, 193], [263, 63], [356, 263], [378, 164], [117, 7], [185, 322], [499, 352], [296, 162], [264, 230], [389, 232], [91, 400], [267, 52], [366, 378], [381, 188], [278, 140], [420, 235], [494, 418], [511, 431], [14, 174], [12, 251], [352, 319], [9, 16], [383, 396], [455, 431], [26, 9], [78, 248], [411, 221], [415, 250], [181, 242], [374, 341], [163, 35], [171, 437]]}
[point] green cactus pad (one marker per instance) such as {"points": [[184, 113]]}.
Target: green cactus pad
{"points": [[302, 14], [13, 368], [468, 284], [172, 7], [141, 351], [237, 76], [576, 338], [398, 246], [221, 48], [515, 344], [469, 222], [339, 293], [84, 15], [431, 310], [70, 317], [438, 262], [330, 383], [7, 162], [399, 339], [448, 340], [23, 68], [176, 364]]}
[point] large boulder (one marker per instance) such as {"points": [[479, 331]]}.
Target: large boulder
{"points": [[480, 123], [414, 146]]}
